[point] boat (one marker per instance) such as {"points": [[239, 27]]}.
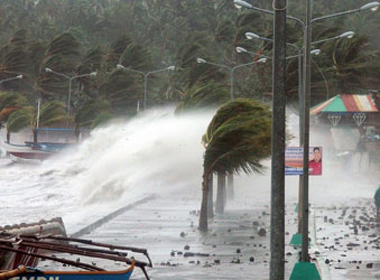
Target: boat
{"points": [[47, 141], [42, 150], [9, 259], [68, 251], [25, 273], [25, 152]]}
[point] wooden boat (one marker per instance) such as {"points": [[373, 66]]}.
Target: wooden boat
{"points": [[42, 150], [9, 259], [48, 247], [25, 273], [25, 152]]}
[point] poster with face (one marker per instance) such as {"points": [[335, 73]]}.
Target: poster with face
{"points": [[294, 161], [315, 161]]}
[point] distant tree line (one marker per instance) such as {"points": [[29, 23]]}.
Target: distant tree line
{"points": [[84, 36]]}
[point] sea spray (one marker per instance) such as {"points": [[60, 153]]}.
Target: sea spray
{"points": [[155, 152]]}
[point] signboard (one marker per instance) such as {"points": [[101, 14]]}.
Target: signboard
{"points": [[294, 161]]}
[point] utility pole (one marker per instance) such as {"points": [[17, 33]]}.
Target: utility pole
{"points": [[306, 135], [277, 238]]}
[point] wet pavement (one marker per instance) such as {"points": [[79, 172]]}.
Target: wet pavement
{"points": [[236, 247], [349, 240]]}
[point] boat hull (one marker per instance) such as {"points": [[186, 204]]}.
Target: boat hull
{"points": [[25, 152], [82, 275]]}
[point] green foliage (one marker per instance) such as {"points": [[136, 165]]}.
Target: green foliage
{"points": [[355, 65], [16, 61], [238, 137], [118, 47], [19, 120], [82, 36], [135, 57], [210, 95], [101, 119], [52, 113], [19, 38], [62, 56], [122, 91], [90, 111], [11, 99]]}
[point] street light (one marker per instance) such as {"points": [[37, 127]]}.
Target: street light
{"points": [[348, 34], [373, 6], [11, 79], [243, 50], [232, 69], [304, 113], [92, 74], [146, 75]]}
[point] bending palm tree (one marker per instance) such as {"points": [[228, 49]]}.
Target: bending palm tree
{"points": [[237, 139], [52, 113]]}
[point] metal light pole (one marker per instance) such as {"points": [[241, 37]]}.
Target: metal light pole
{"points": [[250, 35], [277, 235], [306, 134], [230, 178], [229, 69], [11, 79], [70, 78], [232, 69], [146, 75], [306, 86]]}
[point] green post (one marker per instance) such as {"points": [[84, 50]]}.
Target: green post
{"points": [[305, 271]]}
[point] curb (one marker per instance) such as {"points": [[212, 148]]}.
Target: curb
{"points": [[93, 226]]}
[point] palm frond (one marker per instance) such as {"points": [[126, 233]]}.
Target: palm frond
{"points": [[238, 138]]}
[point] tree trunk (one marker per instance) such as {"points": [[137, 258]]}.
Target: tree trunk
{"points": [[35, 136], [210, 202], [230, 186], [220, 197], [8, 137], [77, 134], [203, 223]]}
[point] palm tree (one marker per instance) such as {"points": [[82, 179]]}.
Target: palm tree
{"points": [[122, 91], [117, 49], [101, 119], [9, 103], [17, 121], [355, 65], [237, 139], [90, 111], [62, 56], [201, 96], [51, 113]]}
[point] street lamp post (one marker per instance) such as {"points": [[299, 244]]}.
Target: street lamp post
{"points": [[250, 35], [306, 112], [307, 31], [348, 34], [299, 56], [232, 69], [70, 78], [146, 75], [11, 79]]}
